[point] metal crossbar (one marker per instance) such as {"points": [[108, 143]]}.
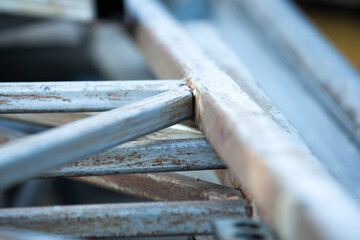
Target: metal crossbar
{"points": [[78, 96], [58, 146], [124, 220], [290, 188]]}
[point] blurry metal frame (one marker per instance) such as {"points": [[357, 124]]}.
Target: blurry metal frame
{"points": [[80, 10], [295, 196], [241, 229]]}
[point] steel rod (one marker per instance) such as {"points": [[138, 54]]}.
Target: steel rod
{"points": [[32, 155], [144, 157], [281, 178], [177, 148], [124, 220], [164, 187], [78, 96]]}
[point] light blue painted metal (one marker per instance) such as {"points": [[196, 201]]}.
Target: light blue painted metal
{"points": [[145, 157], [78, 96], [125, 220], [40, 152], [328, 141]]}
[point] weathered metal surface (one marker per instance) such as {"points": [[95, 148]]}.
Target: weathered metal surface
{"points": [[144, 157], [79, 10], [78, 96], [164, 187], [177, 148], [292, 193], [124, 220], [325, 136], [332, 79], [44, 151]]}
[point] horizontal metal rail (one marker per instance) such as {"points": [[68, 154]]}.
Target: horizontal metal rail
{"points": [[124, 220], [164, 187], [280, 177], [32, 155], [144, 157], [177, 148], [78, 96]]}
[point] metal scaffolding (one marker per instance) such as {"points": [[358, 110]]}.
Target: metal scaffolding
{"points": [[244, 131]]}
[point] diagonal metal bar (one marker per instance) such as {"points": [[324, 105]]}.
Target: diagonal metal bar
{"points": [[281, 178], [124, 220], [78, 96], [177, 148], [164, 187], [38, 153], [144, 157]]}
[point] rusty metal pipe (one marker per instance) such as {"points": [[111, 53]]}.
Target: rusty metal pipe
{"points": [[144, 157], [124, 220]]}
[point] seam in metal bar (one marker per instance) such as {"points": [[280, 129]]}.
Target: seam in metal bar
{"points": [[78, 96], [280, 177], [164, 187], [32, 155], [124, 220]]}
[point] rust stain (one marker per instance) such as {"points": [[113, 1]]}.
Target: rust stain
{"points": [[5, 102], [33, 97], [115, 96]]}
